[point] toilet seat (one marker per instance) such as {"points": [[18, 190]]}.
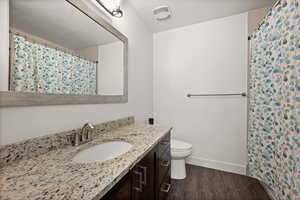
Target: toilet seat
{"points": [[179, 146], [181, 150]]}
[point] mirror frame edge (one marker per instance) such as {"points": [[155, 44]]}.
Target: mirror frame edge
{"points": [[18, 99]]}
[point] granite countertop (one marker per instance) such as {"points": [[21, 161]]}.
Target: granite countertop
{"points": [[55, 176]]}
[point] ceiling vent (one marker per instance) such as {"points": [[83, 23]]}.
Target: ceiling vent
{"points": [[162, 13]]}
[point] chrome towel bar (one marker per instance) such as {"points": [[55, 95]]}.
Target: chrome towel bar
{"points": [[216, 95]]}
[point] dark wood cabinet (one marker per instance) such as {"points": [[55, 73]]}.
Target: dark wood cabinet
{"points": [[163, 168], [143, 178], [121, 191], [149, 179], [165, 186]]}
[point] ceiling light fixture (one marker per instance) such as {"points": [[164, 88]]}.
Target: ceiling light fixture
{"points": [[162, 13], [112, 7]]}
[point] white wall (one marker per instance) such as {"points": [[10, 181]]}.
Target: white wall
{"points": [[110, 69], [209, 57], [4, 41], [26, 122]]}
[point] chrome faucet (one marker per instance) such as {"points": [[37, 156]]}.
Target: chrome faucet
{"points": [[84, 135]]}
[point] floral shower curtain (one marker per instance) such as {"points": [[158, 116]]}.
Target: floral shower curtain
{"points": [[274, 109], [38, 68]]}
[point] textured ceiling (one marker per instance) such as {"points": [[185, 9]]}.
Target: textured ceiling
{"points": [[186, 12]]}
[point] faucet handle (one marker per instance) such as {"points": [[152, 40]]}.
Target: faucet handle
{"points": [[71, 138], [88, 125], [87, 132]]}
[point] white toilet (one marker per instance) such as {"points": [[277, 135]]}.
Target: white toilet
{"points": [[179, 152]]}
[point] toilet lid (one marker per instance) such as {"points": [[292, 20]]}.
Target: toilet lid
{"points": [[177, 144]]}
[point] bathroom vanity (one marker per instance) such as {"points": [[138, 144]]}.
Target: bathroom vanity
{"points": [[44, 167], [149, 178]]}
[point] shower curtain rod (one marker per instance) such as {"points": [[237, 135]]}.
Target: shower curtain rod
{"points": [[243, 94], [37, 40]]}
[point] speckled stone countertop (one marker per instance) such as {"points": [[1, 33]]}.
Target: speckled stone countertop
{"points": [[55, 176]]}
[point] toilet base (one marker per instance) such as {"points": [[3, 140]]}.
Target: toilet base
{"points": [[178, 170]]}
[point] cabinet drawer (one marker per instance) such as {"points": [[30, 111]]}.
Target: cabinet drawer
{"points": [[164, 144], [165, 186], [164, 163]]}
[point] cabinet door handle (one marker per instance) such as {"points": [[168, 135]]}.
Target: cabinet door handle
{"points": [[140, 187], [165, 188], [165, 163], [144, 181]]}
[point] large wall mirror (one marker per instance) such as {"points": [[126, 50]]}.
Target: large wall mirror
{"points": [[60, 52]]}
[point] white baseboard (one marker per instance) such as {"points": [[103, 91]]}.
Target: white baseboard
{"points": [[219, 165]]}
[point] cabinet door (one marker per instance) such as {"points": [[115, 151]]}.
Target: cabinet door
{"points": [[122, 191], [163, 165], [143, 176], [165, 186]]}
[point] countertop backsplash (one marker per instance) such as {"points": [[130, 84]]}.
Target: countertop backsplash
{"points": [[40, 145]]}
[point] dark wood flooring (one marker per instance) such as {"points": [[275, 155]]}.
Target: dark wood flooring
{"points": [[209, 184]]}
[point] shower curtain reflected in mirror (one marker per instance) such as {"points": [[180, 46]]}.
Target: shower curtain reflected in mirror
{"points": [[40, 69]]}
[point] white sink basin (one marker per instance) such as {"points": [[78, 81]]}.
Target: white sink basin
{"points": [[102, 152]]}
